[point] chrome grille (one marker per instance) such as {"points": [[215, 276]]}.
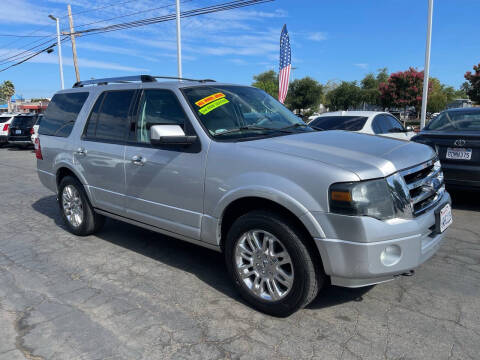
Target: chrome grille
{"points": [[425, 185]]}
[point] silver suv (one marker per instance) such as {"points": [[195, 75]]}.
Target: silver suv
{"points": [[230, 168]]}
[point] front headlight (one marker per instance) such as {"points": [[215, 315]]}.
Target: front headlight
{"points": [[382, 199], [366, 198]]}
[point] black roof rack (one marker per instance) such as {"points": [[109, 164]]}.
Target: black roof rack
{"points": [[128, 79]]}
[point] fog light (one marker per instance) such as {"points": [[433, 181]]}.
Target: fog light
{"points": [[391, 255]]}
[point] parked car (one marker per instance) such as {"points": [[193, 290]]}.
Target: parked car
{"points": [[20, 129], [5, 121], [455, 135], [34, 130], [230, 168], [368, 122]]}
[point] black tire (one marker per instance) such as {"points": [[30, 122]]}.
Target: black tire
{"points": [[92, 222], [309, 276]]}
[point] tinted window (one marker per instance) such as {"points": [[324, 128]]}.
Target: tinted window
{"points": [[61, 113], [385, 124], [23, 121], [376, 124], [157, 107], [467, 120], [92, 119], [350, 123], [4, 119], [113, 119]]}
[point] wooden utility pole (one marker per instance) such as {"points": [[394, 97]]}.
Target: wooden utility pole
{"points": [[74, 47]]}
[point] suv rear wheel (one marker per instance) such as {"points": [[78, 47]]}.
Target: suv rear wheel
{"points": [[77, 212], [269, 263]]}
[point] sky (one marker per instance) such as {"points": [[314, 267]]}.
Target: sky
{"points": [[331, 40]]}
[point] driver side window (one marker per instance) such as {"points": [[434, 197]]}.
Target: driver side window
{"points": [[157, 107]]}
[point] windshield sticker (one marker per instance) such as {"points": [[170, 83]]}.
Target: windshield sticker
{"points": [[209, 99], [217, 103]]}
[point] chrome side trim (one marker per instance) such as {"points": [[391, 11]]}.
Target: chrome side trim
{"points": [[45, 172]]}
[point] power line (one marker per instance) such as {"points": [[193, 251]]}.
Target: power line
{"points": [[190, 13], [25, 36], [131, 14], [127, 25]]}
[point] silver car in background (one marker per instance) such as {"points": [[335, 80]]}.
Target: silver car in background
{"points": [[230, 168]]}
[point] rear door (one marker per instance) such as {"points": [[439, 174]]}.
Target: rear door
{"points": [[102, 149], [165, 185]]}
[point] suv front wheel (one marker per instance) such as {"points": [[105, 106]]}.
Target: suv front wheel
{"points": [[269, 263], [77, 212]]}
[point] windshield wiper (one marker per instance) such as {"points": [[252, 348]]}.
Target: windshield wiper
{"points": [[251, 127], [293, 126]]}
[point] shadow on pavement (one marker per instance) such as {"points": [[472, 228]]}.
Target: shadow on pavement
{"points": [[207, 265], [465, 200]]}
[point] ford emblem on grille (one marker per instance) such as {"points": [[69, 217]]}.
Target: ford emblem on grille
{"points": [[460, 142]]}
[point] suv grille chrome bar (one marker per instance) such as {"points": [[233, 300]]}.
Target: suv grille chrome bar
{"points": [[425, 185]]}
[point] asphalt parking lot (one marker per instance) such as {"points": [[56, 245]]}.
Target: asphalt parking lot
{"points": [[128, 293]]}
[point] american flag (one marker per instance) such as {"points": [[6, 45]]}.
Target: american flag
{"points": [[285, 65]]}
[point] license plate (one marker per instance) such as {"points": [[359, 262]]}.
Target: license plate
{"points": [[445, 217], [18, 132], [459, 154]]}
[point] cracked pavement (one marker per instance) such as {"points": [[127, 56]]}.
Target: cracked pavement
{"points": [[128, 293]]}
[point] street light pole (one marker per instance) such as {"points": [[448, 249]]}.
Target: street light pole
{"points": [[59, 47], [427, 64], [179, 41]]}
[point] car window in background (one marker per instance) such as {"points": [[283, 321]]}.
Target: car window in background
{"points": [[61, 113], [456, 121], [23, 121], [112, 121], [4, 119], [349, 123], [392, 124]]}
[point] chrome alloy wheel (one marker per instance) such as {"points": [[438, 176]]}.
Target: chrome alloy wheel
{"points": [[264, 265], [72, 205]]}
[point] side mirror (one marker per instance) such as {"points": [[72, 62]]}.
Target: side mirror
{"points": [[164, 135], [409, 128]]}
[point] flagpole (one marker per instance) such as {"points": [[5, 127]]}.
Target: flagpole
{"points": [[179, 40], [427, 65]]}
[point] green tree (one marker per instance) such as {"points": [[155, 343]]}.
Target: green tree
{"points": [[370, 86], [304, 94], [345, 96], [268, 82], [7, 90], [473, 90], [438, 96]]}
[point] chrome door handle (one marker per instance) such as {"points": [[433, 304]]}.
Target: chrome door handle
{"points": [[81, 152], [138, 160]]}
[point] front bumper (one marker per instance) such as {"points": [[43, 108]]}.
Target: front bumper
{"points": [[355, 261]]}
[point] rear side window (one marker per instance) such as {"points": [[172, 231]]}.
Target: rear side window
{"points": [[62, 113], [110, 116], [4, 119], [349, 123]]}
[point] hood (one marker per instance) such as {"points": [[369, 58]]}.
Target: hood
{"points": [[368, 156]]}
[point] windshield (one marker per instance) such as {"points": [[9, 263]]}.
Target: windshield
{"points": [[456, 121], [350, 123], [233, 112]]}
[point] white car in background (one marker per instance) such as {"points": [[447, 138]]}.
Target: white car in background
{"points": [[35, 128], [368, 122], [5, 121]]}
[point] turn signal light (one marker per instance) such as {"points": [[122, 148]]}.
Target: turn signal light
{"points": [[341, 196]]}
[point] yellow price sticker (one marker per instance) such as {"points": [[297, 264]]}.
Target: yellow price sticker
{"points": [[212, 106], [209, 99]]}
